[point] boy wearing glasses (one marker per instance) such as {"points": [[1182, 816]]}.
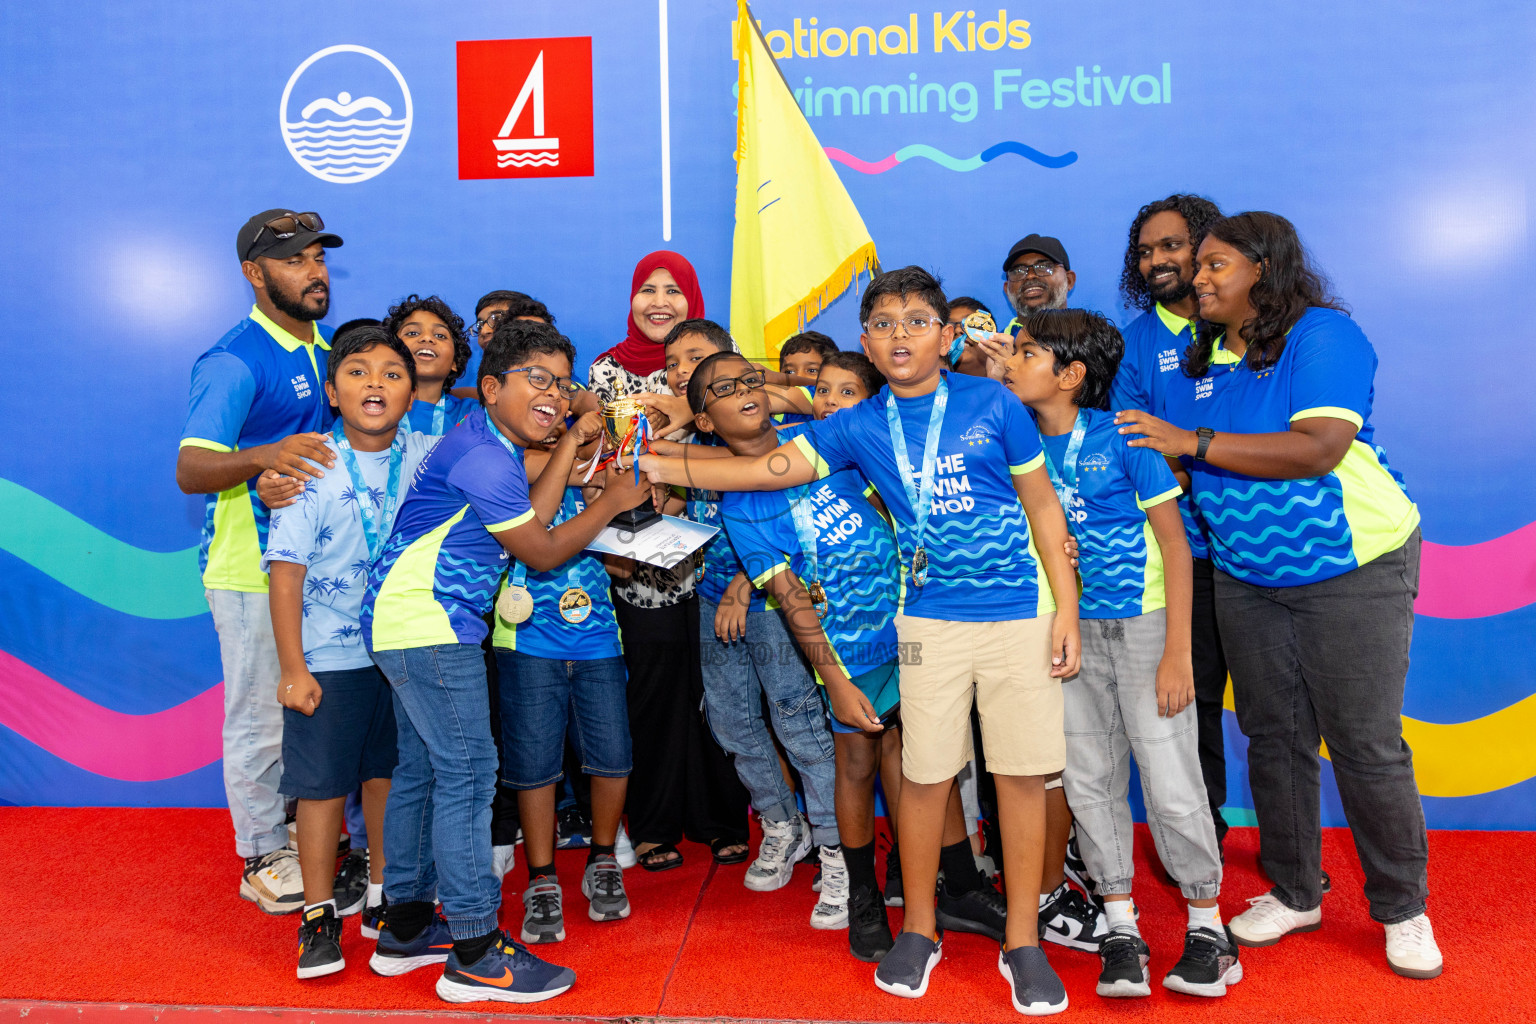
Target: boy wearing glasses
{"points": [[470, 506], [1036, 275], [979, 532]]}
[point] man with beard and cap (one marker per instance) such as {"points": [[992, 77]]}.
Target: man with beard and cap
{"points": [[257, 403], [1038, 275], [1159, 279]]}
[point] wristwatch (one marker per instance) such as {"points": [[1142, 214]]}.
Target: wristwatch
{"points": [[1205, 434]]}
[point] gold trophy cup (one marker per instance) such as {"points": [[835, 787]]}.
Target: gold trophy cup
{"points": [[619, 418]]}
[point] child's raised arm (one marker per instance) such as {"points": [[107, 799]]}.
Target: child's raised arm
{"points": [[542, 549], [1049, 525], [785, 466], [1175, 673]]}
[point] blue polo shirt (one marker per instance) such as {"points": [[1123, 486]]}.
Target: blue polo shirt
{"points": [[720, 564], [856, 561], [436, 577], [436, 418], [257, 385], [547, 633], [982, 564], [1286, 533], [1118, 557], [1154, 347]]}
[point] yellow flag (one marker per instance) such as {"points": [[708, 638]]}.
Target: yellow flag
{"points": [[800, 242]]}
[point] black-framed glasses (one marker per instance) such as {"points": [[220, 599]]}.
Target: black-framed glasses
{"points": [[1042, 270], [489, 320], [725, 387], [542, 380], [917, 326]]}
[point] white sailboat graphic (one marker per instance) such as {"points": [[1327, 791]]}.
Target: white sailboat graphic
{"points": [[540, 150]]}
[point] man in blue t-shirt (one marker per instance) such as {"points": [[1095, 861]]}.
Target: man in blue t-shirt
{"points": [[1159, 280], [257, 404]]}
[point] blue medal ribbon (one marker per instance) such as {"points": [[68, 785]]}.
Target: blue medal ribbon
{"points": [[920, 495], [376, 522], [439, 417], [1065, 479]]}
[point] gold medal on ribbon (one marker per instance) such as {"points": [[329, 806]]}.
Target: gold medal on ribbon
{"points": [[818, 595], [980, 322], [919, 568], [514, 605], [575, 606]]}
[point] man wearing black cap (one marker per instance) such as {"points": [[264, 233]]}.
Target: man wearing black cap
{"points": [[257, 403], [1039, 276]]}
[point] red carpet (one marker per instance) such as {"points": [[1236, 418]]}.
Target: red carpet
{"points": [[142, 906]]}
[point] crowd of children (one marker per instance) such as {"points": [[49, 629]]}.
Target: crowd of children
{"points": [[951, 551]]}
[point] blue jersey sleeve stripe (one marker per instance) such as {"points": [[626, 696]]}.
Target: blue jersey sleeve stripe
{"points": [[1171, 493], [203, 442], [1332, 412], [1028, 467], [803, 442], [510, 523]]}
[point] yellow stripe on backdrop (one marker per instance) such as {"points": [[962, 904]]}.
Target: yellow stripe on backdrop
{"points": [[1467, 758], [800, 242]]}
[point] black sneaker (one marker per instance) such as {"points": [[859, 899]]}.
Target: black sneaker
{"points": [[1076, 870], [351, 885], [320, 943], [1068, 919], [1033, 985], [573, 830], [904, 970], [983, 911], [373, 919], [1123, 960], [869, 931], [1208, 966], [893, 891]]}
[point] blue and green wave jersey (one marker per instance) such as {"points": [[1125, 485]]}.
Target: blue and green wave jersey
{"points": [[1286, 533]]}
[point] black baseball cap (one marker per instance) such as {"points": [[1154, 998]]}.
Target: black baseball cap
{"points": [[1045, 245], [252, 241]]}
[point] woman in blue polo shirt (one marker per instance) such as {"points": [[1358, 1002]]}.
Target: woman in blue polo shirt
{"points": [[1316, 544]]}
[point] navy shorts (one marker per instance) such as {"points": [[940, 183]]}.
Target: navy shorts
{"points": [[540, 697], [348, 740]]}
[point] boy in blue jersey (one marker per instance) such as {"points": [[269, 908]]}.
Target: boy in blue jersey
{"points": [[1136, 679], [746, 652], [435, 335], [256, 404], [423, 618], [338, 723], [1159, 279], [969, 494], [563, 666]]}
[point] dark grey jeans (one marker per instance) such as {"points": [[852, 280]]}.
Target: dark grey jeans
{"points": [[1328, 661]]}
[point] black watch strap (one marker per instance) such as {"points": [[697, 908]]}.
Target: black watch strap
{"points": [[1205, 434]]}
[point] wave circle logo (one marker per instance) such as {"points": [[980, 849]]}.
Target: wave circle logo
{"points": [[345, 114]]}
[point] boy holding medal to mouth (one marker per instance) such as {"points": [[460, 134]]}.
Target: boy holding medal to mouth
{"points": [[980, 531], [564, 659], [470, 507], [338, 721], [1137, 682]]}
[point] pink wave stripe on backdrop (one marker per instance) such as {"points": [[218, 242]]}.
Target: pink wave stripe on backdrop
{"points": [[1477, 580], [132, 748]]}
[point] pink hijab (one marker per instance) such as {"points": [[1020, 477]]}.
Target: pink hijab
{"points": [[637, 353]]}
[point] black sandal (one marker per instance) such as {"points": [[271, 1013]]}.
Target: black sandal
{"points": [[718, 843], [661, 858]]}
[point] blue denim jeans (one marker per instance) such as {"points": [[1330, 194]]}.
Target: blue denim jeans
{"points": [[539, 696], [736, 676], [253, 720], [437, 824]]}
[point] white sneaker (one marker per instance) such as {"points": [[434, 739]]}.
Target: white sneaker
{"points": [[784, 844], [831, 911], [273, 882], [502, 860], [1411, 949], [1267, 920], [624, 850]]}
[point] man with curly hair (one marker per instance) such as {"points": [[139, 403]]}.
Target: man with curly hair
{"points": [[1159, 280]]}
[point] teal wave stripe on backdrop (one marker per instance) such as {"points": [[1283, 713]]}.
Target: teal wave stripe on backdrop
{"points": [[96, 565]]}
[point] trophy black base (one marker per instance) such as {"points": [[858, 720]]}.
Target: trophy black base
{"points": [[636, 519]]}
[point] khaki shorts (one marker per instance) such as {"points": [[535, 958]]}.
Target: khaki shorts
{"points": [[1006, 668]]}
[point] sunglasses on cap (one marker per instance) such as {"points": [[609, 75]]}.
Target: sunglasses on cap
{"points": [[290, 224]]}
